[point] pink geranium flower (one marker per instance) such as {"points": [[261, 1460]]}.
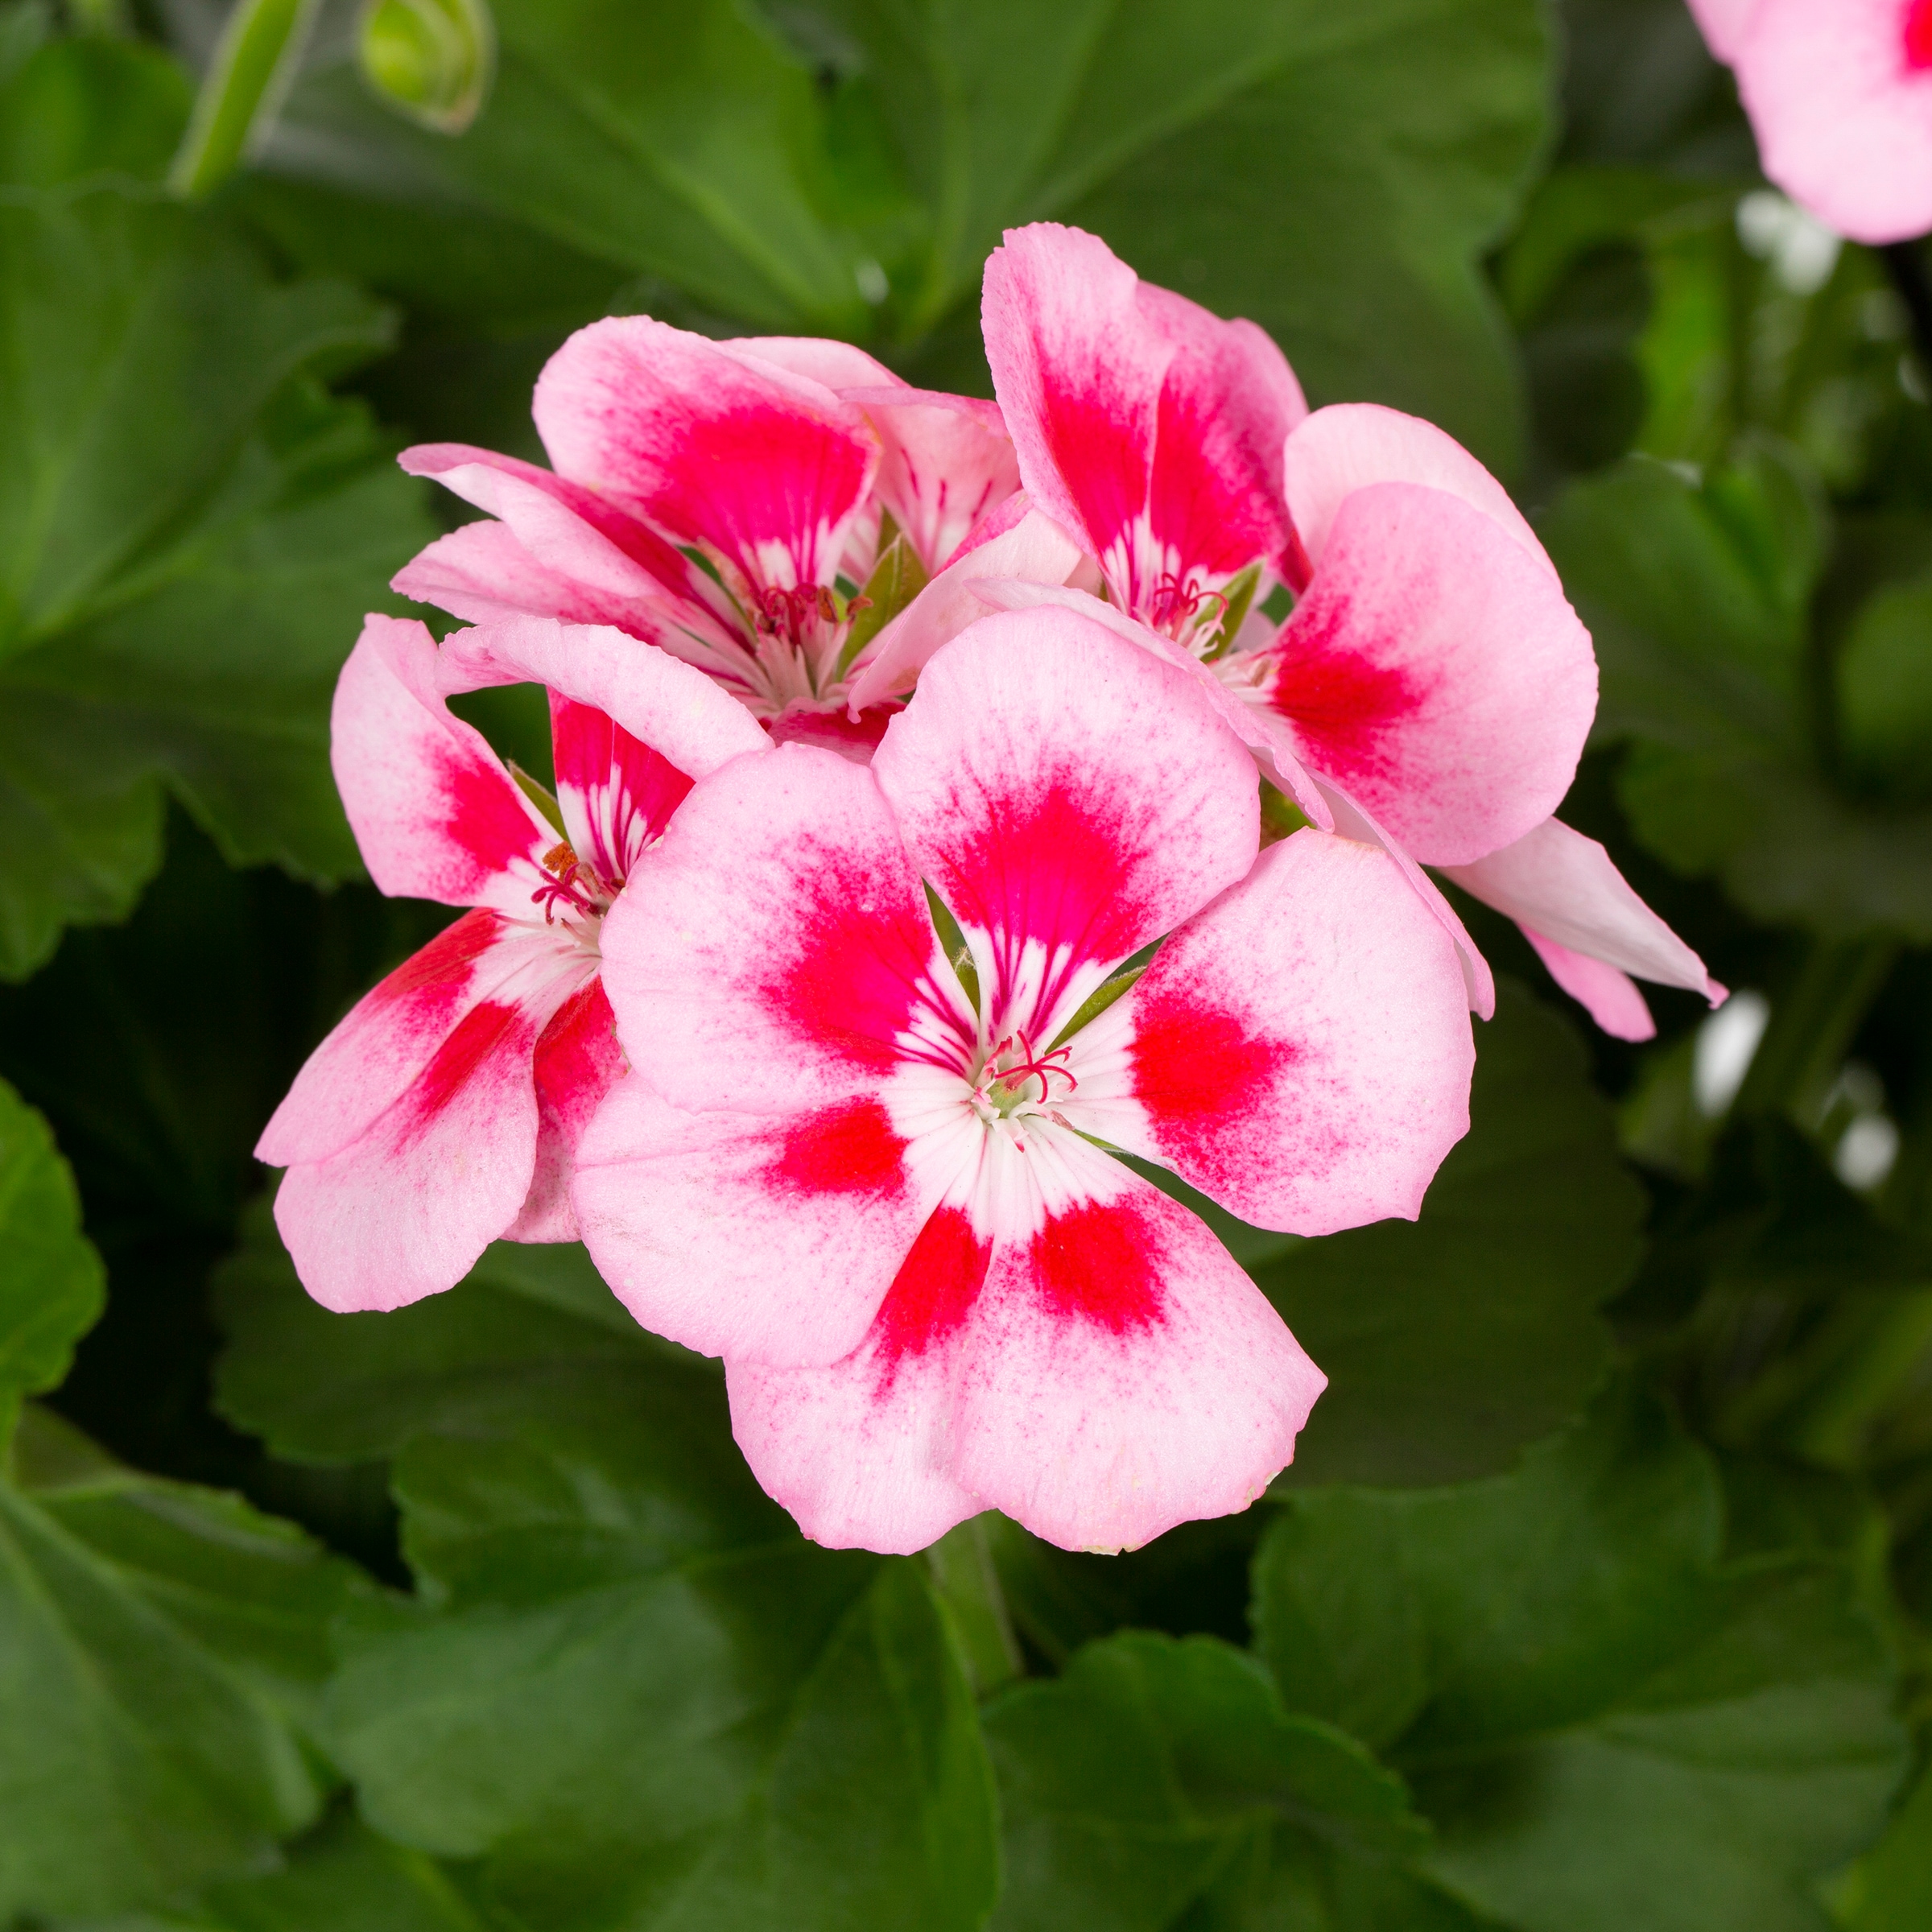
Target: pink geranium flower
{"points": [[865, 1156], [722, 500], [442, 1114], [1431, 687], [1839, 93]]}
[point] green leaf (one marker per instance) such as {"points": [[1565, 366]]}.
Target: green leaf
{"points": [[160, 1644], [91, 106], [629, 1687], [190, 532], [1890, 1888], [1451, 1341], [1335, 175], [1161, 1784], [680, 141], [52, 1290], [1608, 1724], [1698, 595], [340, 1877]]}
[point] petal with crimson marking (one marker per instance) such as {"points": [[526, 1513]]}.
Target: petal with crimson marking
{"points": [[710, 443], [768, 951], [1069, 800], [755, 1237], [576, 1062], [1300, 1051], [404, 1210], [1434, 670], [433, 811], [1129, 1377]]}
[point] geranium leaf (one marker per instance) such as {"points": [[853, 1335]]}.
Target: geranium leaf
{"points": [[162, 1644], [1160, 1784], [1608, 1722], [190, 531], [52, 1287], [628, 1686]]}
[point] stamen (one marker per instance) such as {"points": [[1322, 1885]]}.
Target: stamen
{"points": [[572, 882], [1175, 603]]}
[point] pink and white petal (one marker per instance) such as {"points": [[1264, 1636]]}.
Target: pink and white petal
{"points": [[383, 1042], [1077, 368], [480, 573], [712, 445], [946, 461], [576, 1063], [1229, 400], [434, 813], [1840, 97], [859, 1451], [767, 1239], [1126, 1375], [1435, 669], [658, 699], [1301, 1050], [405, 1211], [1349, 446], [1069, 798], [1350, 822], [769, 953], [567, 528], [1268, 736], [1567, 888], [1032, 547], [1723, 23], [1610, 997]]}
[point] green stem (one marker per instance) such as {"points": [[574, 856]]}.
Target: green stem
{"points": [[1813, 1025], [253, 67], [963, 1569], [1831, 1427]]}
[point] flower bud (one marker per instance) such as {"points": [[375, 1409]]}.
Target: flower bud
{"points": [[430, 60]]}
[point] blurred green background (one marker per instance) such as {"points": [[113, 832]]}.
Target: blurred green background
{"points": [[1600, 1593]]}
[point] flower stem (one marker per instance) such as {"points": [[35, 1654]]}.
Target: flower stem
{"points": [[963, 1570], [253, 67], [1813, 1026]]}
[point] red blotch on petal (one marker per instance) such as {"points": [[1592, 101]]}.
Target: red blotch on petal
{"points": [[432, 981], [849, 987], [934, 1291], [1919, 36], [1048, 868], [482, 1031], [483, 811], [1096, 1263], [577, 1057], [1342, 704], [1199, 1073], [846, 1150]]}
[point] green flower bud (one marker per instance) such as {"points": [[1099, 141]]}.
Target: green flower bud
{"points": [[430, 60]]}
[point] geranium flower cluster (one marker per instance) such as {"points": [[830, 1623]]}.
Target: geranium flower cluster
{"points": [[962, 810]]}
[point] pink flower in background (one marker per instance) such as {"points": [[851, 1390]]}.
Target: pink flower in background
{"points": [[1431, 688], [773, 461], [441, 1112], [1839, 93], [863, 1167]]}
